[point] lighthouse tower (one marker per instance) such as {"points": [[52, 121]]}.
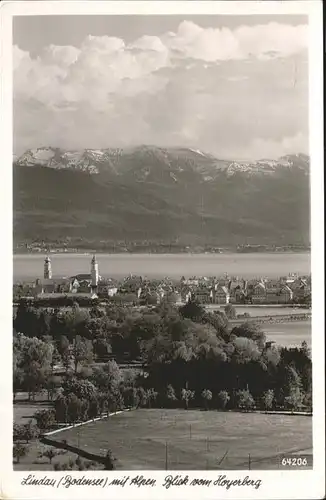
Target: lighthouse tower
{"points": [[47, 268], [94, 272]]}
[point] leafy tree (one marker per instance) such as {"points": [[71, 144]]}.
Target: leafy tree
{"points": [[245, 400], [75, 408], [305, 349], [251, 331], [56, 358], [52, 384], [96, 312], [94, 407], [129, 377], [151, 396], [230, 311], [33, 357], [64, 351], [83, 389], [291, 386], [43, 324], [307, 400], [246, 350], [223, 399], [268, 399], [171, 396], [272, 355], [110, 461], [76, 320], [142, 397], [18, 380], [102, 347], [29, 431], [131, 397], [108, 377], [45, 419], [204, 342], [49, 453], [61, 409], [186, 396], [114, 401], [80, 464], [192, 310], [19, 451], [81, 352], [18, 432], [219, 321], [27, 319], [206, 396], [36, 378], [294, 399]]}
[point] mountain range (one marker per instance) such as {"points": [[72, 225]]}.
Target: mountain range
{"points": [[159, 195]]}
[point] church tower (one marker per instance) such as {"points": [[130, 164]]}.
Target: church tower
{"points": [[94, 272], [47, 268]]}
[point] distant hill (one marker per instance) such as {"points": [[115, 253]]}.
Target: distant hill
{"points": [[159, 195]]}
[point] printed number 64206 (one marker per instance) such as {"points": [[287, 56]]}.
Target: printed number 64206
{"points": [[294, 461]]}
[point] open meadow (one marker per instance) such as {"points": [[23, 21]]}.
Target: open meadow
{"points": [[194, 439]]}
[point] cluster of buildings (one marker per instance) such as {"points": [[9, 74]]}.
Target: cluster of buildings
{"points": [[84, 285], [223, 290], [92, 285]]}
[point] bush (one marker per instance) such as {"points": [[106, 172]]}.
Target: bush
{"points": [[24, 432], [18, 432], [268, 399], [206, 396], [45, 419], [222, 399], [109, 461], [19, 451], [245, 401], [30, 431], [80, 464], [171, 397], [294, 399], [50, 453]]}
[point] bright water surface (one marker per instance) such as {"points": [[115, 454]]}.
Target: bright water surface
{"points": [[30, 266]]}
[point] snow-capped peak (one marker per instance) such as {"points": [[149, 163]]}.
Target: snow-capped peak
{"points": [[197, 151]]}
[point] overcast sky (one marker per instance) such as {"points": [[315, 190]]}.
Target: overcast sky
{"points": [[235, 86]]}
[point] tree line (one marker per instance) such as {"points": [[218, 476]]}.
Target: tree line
{"points": [[190, 358]]}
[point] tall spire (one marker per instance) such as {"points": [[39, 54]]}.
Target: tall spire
{"points": [[47, 268], [94, 272]]}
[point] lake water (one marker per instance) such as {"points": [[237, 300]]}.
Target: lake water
{"points": [[289, 334], [28, 267]]}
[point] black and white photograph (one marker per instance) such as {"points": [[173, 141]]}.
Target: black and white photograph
{"points": [[162, 248]]}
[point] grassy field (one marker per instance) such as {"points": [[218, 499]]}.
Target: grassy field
{"points": [[193, 439]]}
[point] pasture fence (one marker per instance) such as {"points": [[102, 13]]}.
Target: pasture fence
{"points": [[190, 452]]}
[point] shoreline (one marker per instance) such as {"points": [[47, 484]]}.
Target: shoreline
{"points": [[149, 253]]}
